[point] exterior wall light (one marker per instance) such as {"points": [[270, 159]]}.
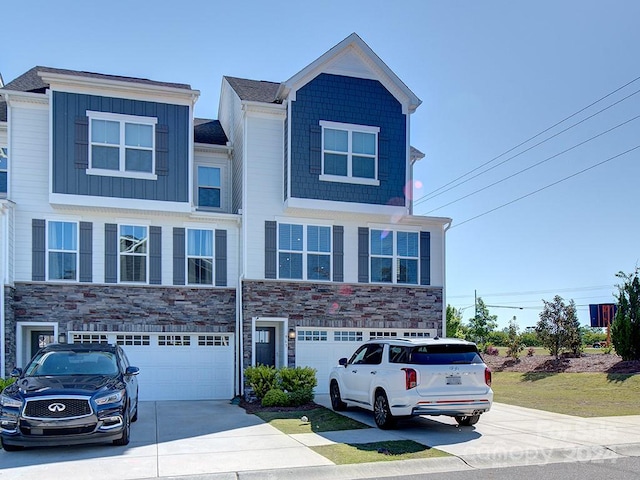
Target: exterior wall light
{"points": [[62, 338], [292, 333]]}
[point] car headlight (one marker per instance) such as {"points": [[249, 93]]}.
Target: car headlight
{"points": [[10, 402], [111, 397]]}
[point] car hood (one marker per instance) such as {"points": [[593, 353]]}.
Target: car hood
{"points": [[67, 385]]}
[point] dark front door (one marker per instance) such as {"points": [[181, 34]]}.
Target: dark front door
{"points": [[266, 346], [39, 339]]}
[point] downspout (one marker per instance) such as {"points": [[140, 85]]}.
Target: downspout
{"points": [[444, 277]]}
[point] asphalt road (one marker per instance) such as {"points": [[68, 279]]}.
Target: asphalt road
{"points": [[627, 468]]}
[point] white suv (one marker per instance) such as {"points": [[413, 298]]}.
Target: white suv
{"points": [[404, 377]]}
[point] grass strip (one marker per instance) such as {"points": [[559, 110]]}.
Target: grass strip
{"points": [[342, 453], [317, 420], [579, 394]]}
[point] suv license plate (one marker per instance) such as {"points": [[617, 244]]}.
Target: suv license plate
{"points": [[454, 381]]}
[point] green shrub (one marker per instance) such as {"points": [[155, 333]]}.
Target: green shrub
{"points": [[300, 397], [298, 378], [275, 398], [5, 382], [261, 378]]}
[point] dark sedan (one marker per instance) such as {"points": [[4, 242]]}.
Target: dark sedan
{"points": [[70, 394]]}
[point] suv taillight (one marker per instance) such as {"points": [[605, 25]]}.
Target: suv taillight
{"points": [[411, 378], [487, 377]]}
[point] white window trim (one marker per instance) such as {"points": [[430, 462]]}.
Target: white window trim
{"points": [[212, 257], [223, 189], [51, 250], [349, 178], [120, 254], [305, 252], [6, 170], [122, 119], [395, 256]]}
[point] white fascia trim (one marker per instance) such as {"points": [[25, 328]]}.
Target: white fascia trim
{"points": [[12, 97], [119, 203], [73, 83], [210, 148], [388, 78], [347, 207], [261, 108]]}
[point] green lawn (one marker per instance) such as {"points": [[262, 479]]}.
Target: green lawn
{"points": [[580, 394], [318, 420]]}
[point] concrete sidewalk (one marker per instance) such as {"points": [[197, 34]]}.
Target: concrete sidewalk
{"points": [[218, 440]]}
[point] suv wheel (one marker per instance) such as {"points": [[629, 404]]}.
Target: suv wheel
{"points": [[467, 420], [126, 431], [336, 401], [381, 412], [10, 448]]}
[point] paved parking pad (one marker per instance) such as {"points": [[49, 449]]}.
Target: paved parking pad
{"points": [[215, 439]]}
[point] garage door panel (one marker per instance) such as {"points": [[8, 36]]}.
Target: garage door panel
{"points": [[178, 367]]}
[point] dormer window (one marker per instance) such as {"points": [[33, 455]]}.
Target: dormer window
{"points": [[121, 145], [349, 153]]}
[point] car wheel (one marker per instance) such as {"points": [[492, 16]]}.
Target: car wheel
{"points": [[134, 418], [381, 412], [467, 420], [126, 431], [11, 448], [336, 401]]}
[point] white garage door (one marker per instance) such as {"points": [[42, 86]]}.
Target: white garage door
{"points": [[322, 348], [186, 366]]}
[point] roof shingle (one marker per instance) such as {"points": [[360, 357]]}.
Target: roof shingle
{"points": [[254, 90]]}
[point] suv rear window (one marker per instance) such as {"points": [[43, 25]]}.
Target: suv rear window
{"points": [[442, 354]]}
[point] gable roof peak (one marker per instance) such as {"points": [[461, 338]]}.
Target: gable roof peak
{"points": [[353, 57]]}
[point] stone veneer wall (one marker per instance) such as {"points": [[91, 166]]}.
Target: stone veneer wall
{"points": [[9, 331], [340, 306], [91, 307]]}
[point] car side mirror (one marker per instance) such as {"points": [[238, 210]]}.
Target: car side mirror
{"points": [[343, 362], [16, 372], [132, 371]]}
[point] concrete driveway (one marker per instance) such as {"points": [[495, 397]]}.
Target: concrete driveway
{"points": [[215, 439]]}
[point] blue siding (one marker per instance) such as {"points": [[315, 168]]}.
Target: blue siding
{"points": [[69, 179], [356, 101]]}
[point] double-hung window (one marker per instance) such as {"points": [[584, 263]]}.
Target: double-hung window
{"points": [[394, 256], [200, 257], [4, 169], [62, 250], [133, 253], [304, 252], [121, 145], [349, 153], [209, 187]]}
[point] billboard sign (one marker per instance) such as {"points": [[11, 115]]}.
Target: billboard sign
{"points": [[602, 314]]}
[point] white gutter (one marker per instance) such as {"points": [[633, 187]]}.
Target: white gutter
{"points": [[444, 278]]}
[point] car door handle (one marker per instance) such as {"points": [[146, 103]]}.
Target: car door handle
{"points": [[373, 372], [354, 371]]}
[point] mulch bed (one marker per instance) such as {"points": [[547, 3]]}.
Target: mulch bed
{"points": [[255, 407], [598, 362]]}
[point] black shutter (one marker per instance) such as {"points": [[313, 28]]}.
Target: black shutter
{"points": [[270, 249], [111, 253], [315, 149], [178, 256], [86, 251], [82, 142], [38, 253], [221, 258], [363, 255], [155, 255], [425, 258], [162, 150], [338, 253]]}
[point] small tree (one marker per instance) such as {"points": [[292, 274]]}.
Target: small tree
{"points": [[625, 330], [558, 328], [482, 324], [455, 328], [514, 342]]}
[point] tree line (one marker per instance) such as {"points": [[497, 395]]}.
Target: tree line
{"points": [[558, 328]]}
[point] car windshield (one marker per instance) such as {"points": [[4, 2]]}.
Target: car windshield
{"points": [[442, 354], [72, 363]]}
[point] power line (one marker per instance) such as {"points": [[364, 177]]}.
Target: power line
{"points": [[535, 292], [532, 166], [429, 196], [547, 186]]}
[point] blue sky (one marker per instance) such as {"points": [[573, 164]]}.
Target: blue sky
{"points": [[491, 74]]}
